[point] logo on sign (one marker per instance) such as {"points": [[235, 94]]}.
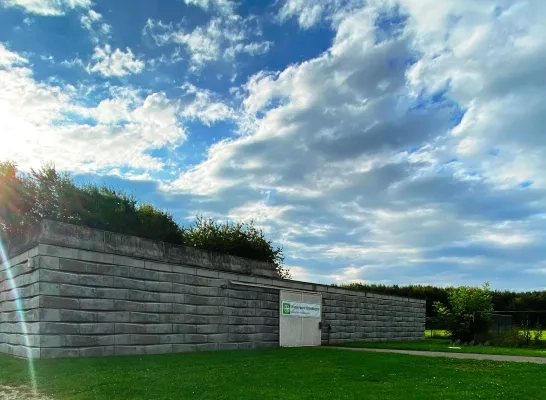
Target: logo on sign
{"points": [[286, 308]]}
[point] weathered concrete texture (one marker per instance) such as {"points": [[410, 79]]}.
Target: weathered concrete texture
{"points": [[82, 302], [82, 238]]}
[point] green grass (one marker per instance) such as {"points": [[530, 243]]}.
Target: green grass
{"points": [[439, 333], [318, 374], [444, 344]]}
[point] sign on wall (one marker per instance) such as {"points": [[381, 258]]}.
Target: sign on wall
{"points": [[299, 309]]}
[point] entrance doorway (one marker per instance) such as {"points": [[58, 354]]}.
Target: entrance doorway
{"points": [[300, 317]]}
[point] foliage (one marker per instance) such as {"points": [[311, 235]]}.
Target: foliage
{"points": [[469, 313], [27, 199], [502, 300], [238, 239]]}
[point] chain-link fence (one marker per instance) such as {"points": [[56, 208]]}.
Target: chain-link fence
{"points": [[510, 328]]}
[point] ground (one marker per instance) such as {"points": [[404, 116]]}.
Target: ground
{"points": [[316, 373], [444, 345]]}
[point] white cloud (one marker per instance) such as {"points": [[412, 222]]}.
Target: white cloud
{"points": [[115, 63], [94, 23], [366, 174], [9, 58], [222, 6], [308, 12], [47, 7], [222, 38], [204, 106], [51, 125]]}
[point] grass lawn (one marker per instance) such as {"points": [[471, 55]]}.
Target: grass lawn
{"points": [[444, 344], [278, 374]]}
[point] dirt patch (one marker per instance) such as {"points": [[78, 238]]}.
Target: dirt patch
{"points": [[19, 393]]}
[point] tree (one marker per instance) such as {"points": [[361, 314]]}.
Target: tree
{"points": [[469, 311]]}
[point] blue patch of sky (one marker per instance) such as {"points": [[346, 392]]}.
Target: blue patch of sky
{"points": [[390, 24], [525, 184], [493, 152]]}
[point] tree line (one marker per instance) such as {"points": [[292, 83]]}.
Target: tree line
{"points": [[28, 198], [502, 300]]}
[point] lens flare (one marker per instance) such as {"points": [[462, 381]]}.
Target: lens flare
{"points": [[21, 316]]}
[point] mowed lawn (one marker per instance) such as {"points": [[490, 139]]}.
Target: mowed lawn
{"points": [[445, 345], [317, 373]]}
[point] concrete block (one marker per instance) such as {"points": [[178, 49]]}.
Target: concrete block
{"points": [[106, 328], [207, 273], [128, 261], [227, 346], [184, 328], [59, 328], [184, 309], [129, 350], [206, 329], [204, 300], [50, 341], [218, 337], [195, 338], [144, 339], [58, 302], [96, 280], [102, 351], [124, 305], [183, 269], [142, 295], [76, 291], [58, 352], [108, 293], [168, 318], [171, 338], [74, 315], [158, 266], [159, 286], [96, 304], [68, 264], [58, 277], [122, 339], [144, 317], [96, 257], [158, 307], [46, 262], [184, 348], [159, 349], [206, 347], [127, 283], [159, 329]]}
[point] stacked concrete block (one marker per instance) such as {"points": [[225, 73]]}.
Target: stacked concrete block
{"points": [[81, 293], [19, 306]]}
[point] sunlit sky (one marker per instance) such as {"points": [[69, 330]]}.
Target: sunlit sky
{"points": [[377, 141]]}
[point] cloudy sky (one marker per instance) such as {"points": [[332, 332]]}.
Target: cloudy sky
{"points": [[387, 141]]}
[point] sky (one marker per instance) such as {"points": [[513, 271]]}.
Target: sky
{"points": [[378, 141]]}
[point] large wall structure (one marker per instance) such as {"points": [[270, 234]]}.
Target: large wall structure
{"points": [[69, 291]]}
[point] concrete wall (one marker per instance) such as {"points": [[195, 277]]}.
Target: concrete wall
{"points": [[92, 301]]}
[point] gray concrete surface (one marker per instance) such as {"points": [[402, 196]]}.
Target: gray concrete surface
{"points": [[467, 356]]}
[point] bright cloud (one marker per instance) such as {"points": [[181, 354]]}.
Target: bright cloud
{"points": [[115, 63], [47, 7]]}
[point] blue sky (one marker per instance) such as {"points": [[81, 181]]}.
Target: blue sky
{"points": [[385, 141]]}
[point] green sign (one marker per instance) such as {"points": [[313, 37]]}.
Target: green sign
{"points": [[299, 309], [286, 308]]}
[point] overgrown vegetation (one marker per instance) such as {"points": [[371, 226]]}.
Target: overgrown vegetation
{"points": [[468, 314], [28, 198]]}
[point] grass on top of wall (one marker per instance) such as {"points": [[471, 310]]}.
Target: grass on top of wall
{"points": [[288, 374]]}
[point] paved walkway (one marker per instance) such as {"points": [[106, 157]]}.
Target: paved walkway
{"points": [[470, 356]]}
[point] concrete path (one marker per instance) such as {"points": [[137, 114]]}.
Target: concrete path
{"points": [[468, 356]]}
